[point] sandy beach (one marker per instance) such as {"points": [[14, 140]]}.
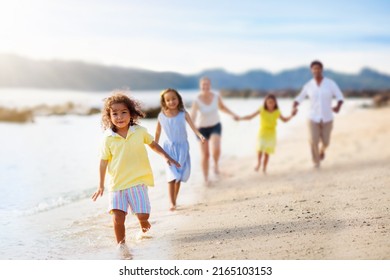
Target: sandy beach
{"points": [[296, 212]]}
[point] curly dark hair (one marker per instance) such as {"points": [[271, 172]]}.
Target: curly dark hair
{"points": [[180, 107], [121, 96]]}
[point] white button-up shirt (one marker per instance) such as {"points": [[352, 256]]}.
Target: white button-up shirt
{"points": [[320, 97]]}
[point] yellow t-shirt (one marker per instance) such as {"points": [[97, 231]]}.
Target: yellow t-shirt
{"points": [[268, 122], [128, 162]]}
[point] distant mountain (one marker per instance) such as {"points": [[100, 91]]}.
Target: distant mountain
{"points": [[16, 71]]}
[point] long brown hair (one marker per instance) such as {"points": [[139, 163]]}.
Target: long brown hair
{"points": [[273, 97], [180, 106], [120, 96]]}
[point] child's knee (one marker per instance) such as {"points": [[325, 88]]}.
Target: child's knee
{"points": [[119, 217]]}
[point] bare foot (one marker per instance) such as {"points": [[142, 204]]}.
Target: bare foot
{"points": [[124, 251], [172, 208], [322, 155], [257, 168], [216, 170], [264, 172], [142, 235], [145, 225], [207, 183]]}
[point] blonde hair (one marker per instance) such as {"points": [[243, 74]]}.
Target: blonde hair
{"points": [[204, 78], [121, 97]]}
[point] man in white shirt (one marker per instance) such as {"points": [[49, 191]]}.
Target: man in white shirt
{"points": [[320, 91]]}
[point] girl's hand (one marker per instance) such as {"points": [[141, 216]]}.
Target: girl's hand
{"points": [[294, 111], [98, 193], [171, 161], [201, 137]]}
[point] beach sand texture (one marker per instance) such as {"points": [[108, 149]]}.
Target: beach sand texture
{"points": [[296, 212]]}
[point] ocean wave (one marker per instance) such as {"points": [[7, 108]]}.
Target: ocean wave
{"points": [[54, 203]]}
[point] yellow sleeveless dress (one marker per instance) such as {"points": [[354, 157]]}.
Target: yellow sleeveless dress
{"points": [[267, 131]]}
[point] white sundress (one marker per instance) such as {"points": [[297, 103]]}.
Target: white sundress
{"points": [[176, 145]]}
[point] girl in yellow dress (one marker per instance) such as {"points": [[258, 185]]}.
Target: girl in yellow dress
{"points": [[269, 115]]}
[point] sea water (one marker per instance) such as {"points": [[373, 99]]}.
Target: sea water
{"points": [[49, 170]]}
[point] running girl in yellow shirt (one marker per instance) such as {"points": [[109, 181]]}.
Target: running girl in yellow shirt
{"points": [[124, 154], [269, 115]]}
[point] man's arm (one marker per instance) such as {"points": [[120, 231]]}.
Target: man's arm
{"points": [[337, 108], [301, 96], [339, 96]]}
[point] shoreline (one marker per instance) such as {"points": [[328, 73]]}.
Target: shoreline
{"points": [[245, 215]]}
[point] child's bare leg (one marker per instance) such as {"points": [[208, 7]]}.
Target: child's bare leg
{"points": [[119, 218], [171, 189], [143, 221], [177, 189], [266, 158], [259, 155]]}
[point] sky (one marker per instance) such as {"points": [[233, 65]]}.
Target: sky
{"points": [[190, 36]]}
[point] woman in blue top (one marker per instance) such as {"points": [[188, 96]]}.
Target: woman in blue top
{"points": [[172, 120]]}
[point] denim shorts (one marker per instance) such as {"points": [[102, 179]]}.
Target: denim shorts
{"points": [[208, 131]]}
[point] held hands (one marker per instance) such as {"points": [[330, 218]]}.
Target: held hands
{"points": [[235, 117], [336, 109], [294, 111], [98, 193]]}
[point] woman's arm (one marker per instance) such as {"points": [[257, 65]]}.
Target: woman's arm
{"points": [[194, 129], [249, 117], [157, 148], [225, 109], [102, 172], [158, 132], [194, 110]]}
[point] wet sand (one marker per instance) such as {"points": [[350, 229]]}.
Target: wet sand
{"points": [[295, 212], [340, 211]]}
